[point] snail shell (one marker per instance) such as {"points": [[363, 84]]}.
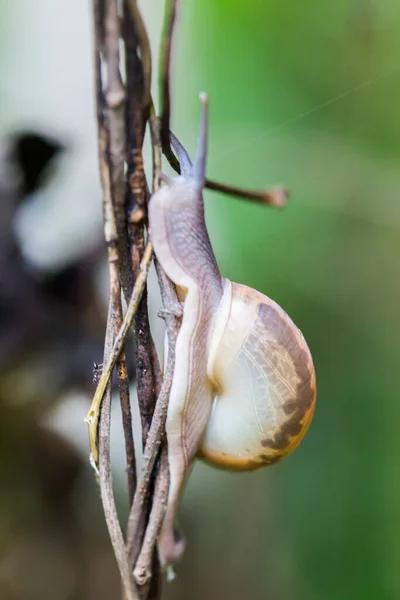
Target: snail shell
{"points": [[264, 383]]}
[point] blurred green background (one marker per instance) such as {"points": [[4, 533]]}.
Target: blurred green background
{"points": [[305, 94]]}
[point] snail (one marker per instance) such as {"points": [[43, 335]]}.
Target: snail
{"points": [[243, 390]]}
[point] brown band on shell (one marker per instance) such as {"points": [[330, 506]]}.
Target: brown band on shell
{"points": [[299, 408], [273, 331]]}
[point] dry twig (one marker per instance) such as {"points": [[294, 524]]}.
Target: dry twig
{"points": [[172, 310], [124, 393], [138, 79], [100, 410], [272, 197], [92, 417], [108, 171], [143, 572], [105, 477], [164, 83], [136, 522], [115, 102]]}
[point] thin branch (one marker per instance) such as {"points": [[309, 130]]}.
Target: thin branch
{"points": [[276, 196], [145, 385], [164, 80], [156, 370], [115, 102], [172, 308], [105, 476], [107, 496], [136, 522], [138, 86], [110, 231], [115, 126], [143, 568], [92, 418], [145, 52], [273, 197], [123, 385]]}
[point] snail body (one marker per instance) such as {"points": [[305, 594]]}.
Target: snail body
{"points": [[243, 391]]}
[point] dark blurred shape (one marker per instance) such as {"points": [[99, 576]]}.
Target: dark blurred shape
{"points": [[43, 313], [33, 153], [51, 330]]}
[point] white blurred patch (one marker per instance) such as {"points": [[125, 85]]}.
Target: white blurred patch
{"points": [[67, 418]]}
